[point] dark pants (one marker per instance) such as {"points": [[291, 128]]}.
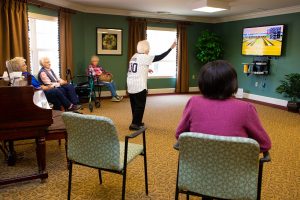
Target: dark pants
{"points": [[57, 98], [69, 91], [138, 103]]}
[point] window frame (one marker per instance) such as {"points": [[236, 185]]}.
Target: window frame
{"points": [[34, 50], [155, 28]]}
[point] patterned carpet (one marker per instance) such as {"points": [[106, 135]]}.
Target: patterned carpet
{"points": [[281, 179]]}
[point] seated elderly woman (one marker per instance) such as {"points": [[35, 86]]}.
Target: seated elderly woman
{"points": [[216, 112], [96, 70], [48, 78], [53, 95]]}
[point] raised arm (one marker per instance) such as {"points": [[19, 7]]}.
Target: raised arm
{"points": [[163, 55]]}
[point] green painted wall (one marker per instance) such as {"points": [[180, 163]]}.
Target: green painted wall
{"points": [[84, 46], [231, 33], [43, 11]]}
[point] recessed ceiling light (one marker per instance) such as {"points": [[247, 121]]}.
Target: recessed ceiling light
{"points": [[209, 9], [210, 6]]}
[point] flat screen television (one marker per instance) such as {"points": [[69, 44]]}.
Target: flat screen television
{"points": [[263, 41]]}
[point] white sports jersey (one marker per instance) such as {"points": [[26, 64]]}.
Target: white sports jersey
{"points": [[138, 72]]}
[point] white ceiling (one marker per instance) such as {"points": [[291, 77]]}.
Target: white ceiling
{"points": [[179, 8]]}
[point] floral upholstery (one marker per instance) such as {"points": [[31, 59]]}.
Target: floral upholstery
{"points": [[93, 141], [218, 166]]}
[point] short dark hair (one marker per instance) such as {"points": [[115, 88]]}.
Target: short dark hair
{"points": [[218, 80]]}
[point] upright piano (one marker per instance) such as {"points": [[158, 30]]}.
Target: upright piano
{"points": [[21, 119]]}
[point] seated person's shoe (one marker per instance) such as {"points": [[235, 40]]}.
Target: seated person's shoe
{"points": [[115, 99], [78, 107], [120, 98], [134, 127], [73, 108]]}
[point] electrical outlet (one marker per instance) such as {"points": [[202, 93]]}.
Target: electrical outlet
{"points": [[256, 84], [193, 77]]}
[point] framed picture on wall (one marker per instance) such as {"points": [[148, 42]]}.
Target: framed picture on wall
{"points": [[109, 41]]}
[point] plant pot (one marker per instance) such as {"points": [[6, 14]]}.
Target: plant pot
{"points": [[293, 106]]}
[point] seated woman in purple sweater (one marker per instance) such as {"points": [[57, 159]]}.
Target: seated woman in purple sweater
{"points": [[216, 112]]}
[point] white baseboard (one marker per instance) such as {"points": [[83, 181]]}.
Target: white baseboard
{"points": [[265, 99], [193, 89], [161, 91], [250, 96], [150, 91], [108, 94]]}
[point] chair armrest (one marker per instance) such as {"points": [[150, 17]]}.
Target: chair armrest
{"points": [[137, 133], [266, 158]]}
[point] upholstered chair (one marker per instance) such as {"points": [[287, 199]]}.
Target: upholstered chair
{"points": [[93, 142], [219, 167]]}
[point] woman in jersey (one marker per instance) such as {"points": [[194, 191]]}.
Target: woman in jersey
{"points": [[137, 80]]}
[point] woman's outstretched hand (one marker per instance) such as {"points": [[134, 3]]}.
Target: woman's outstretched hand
{"points": [[173, 45]]}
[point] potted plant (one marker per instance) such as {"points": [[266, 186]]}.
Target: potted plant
{"points": [[290, 87], [209, 47]]}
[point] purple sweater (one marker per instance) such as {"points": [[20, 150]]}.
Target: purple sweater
{"points": [[230, 117]]}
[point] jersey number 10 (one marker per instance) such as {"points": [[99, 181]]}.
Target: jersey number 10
{"points": [[133, 67]]}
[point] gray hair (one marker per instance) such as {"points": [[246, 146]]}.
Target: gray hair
{"points": [[94, 57], [15, 64], [42, 60], [143, 46]]}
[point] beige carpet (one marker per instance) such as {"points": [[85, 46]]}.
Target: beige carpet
{"points": [[281, 179]]}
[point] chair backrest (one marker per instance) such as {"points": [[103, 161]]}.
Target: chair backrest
{"points": [[92, 140], [218, 166]]}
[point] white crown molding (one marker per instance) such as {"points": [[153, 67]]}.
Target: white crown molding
{"points": [[108, 11], [260, 14]]}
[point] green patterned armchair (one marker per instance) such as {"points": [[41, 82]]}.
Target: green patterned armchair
{"points": [[219, 167], [93, 142]]}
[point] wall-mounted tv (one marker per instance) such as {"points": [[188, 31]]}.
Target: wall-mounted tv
{"points": [[263, 41]]}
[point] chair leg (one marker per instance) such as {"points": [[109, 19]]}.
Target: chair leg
{"points": [[66, 149], [70, 179], [177, 189], [100, 176], [260, 172], [124, 184], [187, 197], [145, 163]]}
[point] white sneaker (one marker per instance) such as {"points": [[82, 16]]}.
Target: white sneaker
{"points": [[120, 98], [115, 99]]}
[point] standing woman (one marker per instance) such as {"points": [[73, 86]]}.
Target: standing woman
{"points": [[137, 80]]}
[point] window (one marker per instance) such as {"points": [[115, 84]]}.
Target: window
{"points": [[43, 41], [160, 40]]}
